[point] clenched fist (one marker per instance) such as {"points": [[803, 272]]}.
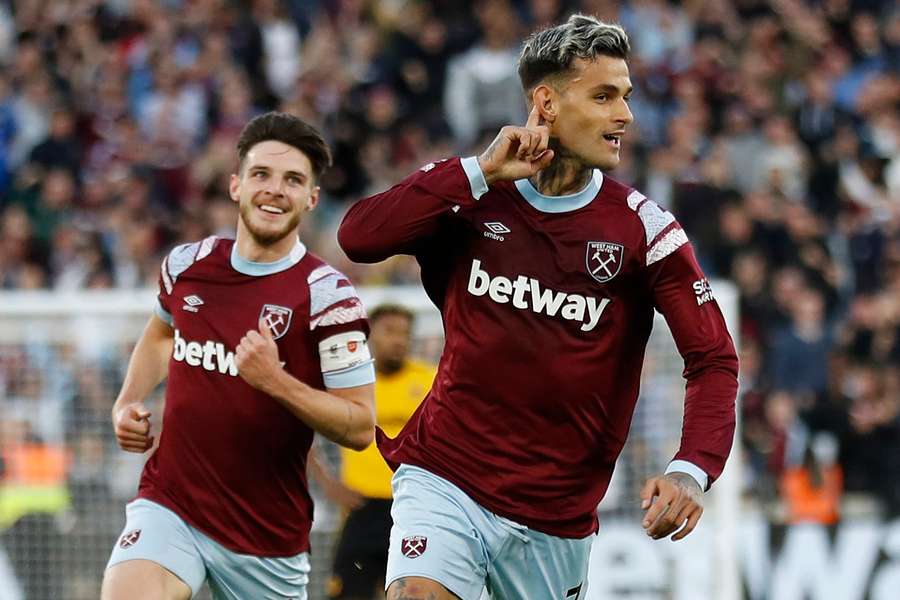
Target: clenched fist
{"points": [[132, 426], [256, 357]]}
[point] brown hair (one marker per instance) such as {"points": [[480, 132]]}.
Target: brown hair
{"points": [[290, 130], [387, 309]]}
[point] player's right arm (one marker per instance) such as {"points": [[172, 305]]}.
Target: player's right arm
{"points": [[401, 219], [147, 368]]}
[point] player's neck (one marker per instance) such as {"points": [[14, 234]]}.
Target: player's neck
{"points": [[562, 177], [249, 249]]}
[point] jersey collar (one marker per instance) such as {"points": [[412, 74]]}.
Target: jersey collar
{"points": [[561, 204], [248, 267]]}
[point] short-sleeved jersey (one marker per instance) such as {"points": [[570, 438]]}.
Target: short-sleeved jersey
{"points": [[547, 306], [231, 460], [397, 396]]}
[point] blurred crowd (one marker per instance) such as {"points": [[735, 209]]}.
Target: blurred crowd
{"points": [[771, 129]]}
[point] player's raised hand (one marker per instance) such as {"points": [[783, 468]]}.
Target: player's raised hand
{"points": [[256, 357], [517, 152], [132, 426], [672, 502]]}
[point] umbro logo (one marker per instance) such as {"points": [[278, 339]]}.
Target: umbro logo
{"points": [[192, 303], [495, 230]]}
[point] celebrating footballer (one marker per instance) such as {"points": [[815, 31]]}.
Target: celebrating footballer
{"points": [[547, 272]]}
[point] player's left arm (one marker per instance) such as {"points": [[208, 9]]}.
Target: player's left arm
{"points": [[683, 295], [345, 415]]}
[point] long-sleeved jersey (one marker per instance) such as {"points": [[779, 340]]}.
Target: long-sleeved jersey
{"points": [[547, 304]]}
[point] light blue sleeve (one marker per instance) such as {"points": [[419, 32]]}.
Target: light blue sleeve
{"points": [[354, 376], [163, 314], [477, 182]]}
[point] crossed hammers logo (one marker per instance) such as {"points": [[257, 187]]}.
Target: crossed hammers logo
{"points": [[603, 263]]}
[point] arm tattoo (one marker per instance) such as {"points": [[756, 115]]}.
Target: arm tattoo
{"points": [[400, 591], [492, 149]]}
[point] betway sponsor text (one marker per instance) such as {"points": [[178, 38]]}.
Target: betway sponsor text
{"points": [[526, 293]]}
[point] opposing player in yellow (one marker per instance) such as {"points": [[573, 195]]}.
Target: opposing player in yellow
{"points": [[364, 487]]}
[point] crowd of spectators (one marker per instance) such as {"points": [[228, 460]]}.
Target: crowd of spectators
{"points": [[770, 128]]}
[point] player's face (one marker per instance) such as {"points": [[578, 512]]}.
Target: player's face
{"points": [[390, 341], [274, 190], [593, 113]]}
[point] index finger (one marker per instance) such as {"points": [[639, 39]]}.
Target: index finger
{"points": [[135, 427], [534, 118], [655, 513]]}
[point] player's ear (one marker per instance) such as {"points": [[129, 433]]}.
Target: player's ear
{"points": [[313, 198], [234, 187], [546, 99]]}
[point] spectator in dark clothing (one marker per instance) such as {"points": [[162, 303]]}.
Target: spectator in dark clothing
{"points": [[61, 149]]}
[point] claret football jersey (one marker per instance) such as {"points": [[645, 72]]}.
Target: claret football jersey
{"points": [[231, 460], [547, 305]]}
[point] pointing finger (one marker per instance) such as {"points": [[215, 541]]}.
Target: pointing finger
{"points": [[544, 132], [533, 118]]}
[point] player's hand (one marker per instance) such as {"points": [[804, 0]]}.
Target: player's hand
{"points": [[672, 502], [256, 357], [517, 152], [132, 426]]}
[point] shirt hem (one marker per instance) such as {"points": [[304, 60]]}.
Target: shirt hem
{"points": [[532, 523], [260, 553]]}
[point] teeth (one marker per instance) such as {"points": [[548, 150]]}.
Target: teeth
{"points": [[271, 209]]}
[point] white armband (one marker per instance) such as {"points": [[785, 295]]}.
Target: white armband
{"points": [[343, 351]]}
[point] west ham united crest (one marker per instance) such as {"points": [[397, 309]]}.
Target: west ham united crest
{"points": [[414, 546], [604, 259], [130, 539], [277, 318]]}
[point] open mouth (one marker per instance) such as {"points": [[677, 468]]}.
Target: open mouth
{"points": [[615, 139]]}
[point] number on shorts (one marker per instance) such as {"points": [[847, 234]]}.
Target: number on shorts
{"points": [[573, 593]]}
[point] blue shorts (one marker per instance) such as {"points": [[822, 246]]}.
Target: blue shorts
{"points": [[440, 533], [155, 533]]}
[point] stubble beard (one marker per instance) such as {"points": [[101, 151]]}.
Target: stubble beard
{"points": [[263, 237]]}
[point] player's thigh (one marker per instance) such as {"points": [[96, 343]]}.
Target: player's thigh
{"points": [[436, 537], [544, 567], [235, 576], [156, 552], [142, 580], [418, 588]]}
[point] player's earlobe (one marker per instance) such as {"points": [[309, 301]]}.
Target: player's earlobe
{"points": [[544, 97], [313, 199], [234, 188]]}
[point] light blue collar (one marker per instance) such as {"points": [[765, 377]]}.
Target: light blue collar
{"points": [[561, 204], [248, 267]]}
